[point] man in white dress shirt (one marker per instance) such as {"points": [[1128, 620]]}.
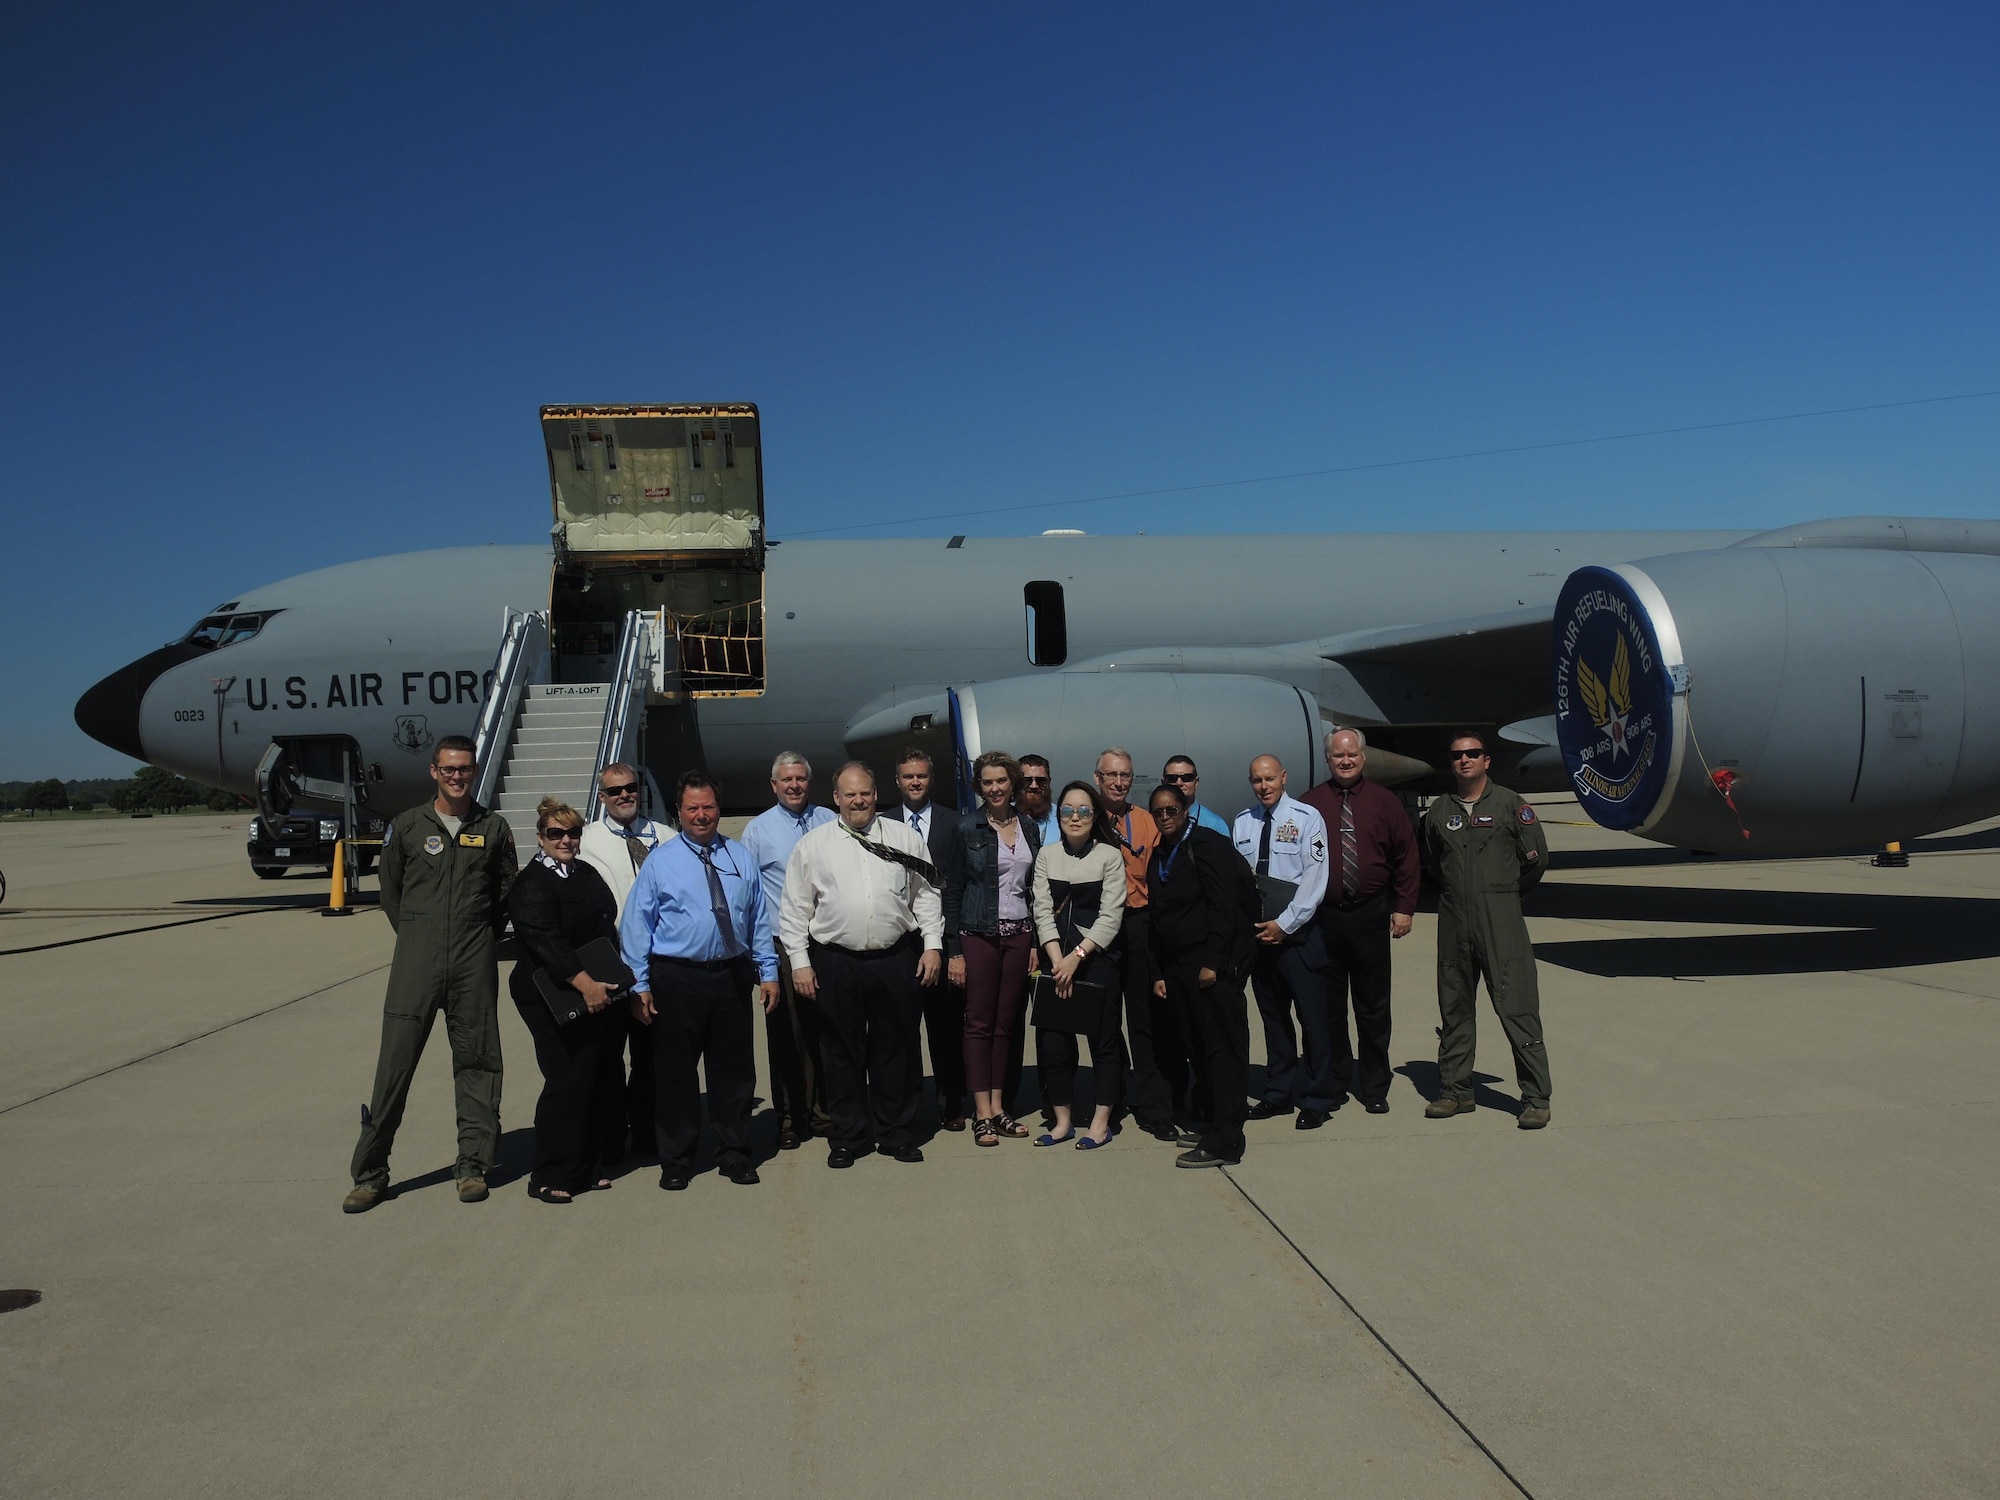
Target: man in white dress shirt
{"points": [[615, 846], [864, 929]]}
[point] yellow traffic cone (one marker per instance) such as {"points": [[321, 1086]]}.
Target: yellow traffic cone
{"points": [[337, 902]]}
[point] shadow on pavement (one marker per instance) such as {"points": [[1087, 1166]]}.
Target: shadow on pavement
{"points": [[1882, 931], [1423, 1078]]}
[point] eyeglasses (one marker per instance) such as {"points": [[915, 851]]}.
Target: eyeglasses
{"points": [[629, 789], [1075, 814], [1114, 775], [562, 835], [1468, 755], [1179, 776], [1034, 781], [1168, 810], [457, 773]]}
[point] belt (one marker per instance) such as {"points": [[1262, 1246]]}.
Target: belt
{"points": [[706, 965], [1359, 901], [901, 942]]}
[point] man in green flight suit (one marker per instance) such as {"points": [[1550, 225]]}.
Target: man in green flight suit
{"points": [[446, 867], [1486, 847]]}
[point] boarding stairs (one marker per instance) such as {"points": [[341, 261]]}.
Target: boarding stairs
{"points": [[538, 738]]}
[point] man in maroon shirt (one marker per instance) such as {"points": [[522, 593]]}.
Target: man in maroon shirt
{"points": [[1371, 897]]}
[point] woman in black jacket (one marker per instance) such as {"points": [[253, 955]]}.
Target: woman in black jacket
{"points": [[989, 936], [1204, 902], [559, 903]]}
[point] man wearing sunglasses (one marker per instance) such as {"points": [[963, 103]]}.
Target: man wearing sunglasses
{"points": [[1179, 771], [1036, 800], [446, 867], [1486, 846], [615, 846]]}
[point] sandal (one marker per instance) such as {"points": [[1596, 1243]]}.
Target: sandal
{"points": [[1092, 1143], [1056, 1140], [1010, 1127], [550, 1195], [986, 1132]]}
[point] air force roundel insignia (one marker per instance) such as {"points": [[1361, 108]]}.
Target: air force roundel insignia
{"points": [[1454, 823], [1527, 816], [433, 845]]}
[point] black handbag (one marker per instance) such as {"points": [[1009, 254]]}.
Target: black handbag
{"points": [[1079, 1014]]}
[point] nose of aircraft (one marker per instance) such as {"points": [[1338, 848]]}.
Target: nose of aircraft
{"points": [[109, 711]]}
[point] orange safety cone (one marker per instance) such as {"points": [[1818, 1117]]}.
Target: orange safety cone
{"points": [[336, 905]]}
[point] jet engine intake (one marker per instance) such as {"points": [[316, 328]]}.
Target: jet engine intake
{"points": [[1223, 721], [1782, 701]]}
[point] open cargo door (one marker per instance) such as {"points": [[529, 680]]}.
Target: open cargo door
{"points": [[659, 508]]}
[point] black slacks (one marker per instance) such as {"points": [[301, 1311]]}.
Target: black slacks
{"points": [[1056, 1051], [944, 1023], [705, 1015], [639, 1086], [869, 1010], [798, 1088], [1216, 1021], [579, 1118], [1357, 955], [1159, 1073], [1288, 977]]}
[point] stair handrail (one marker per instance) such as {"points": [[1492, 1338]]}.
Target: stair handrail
{"points": [[524, 652], [631, 664]]}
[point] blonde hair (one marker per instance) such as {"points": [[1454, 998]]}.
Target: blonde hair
{"points": [[554, 812]]}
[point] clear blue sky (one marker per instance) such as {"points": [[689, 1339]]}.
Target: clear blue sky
{"points": [[284, 286]]}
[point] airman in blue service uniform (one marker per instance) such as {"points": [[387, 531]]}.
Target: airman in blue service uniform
{"points": [[446, 867], [1486, 847]]}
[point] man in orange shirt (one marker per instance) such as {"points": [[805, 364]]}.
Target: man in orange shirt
{"points": [[1159, 1054]]}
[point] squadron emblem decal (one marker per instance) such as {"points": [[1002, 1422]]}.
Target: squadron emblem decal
{"points": [[1614, 699]]}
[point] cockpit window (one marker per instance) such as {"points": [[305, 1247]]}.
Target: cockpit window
{"points": [[223, 630]]}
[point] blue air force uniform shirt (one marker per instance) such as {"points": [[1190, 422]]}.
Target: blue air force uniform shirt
{"points": [[670, 911], [1298, 853], [771, 837]]}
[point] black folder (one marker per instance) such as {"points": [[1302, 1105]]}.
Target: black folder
{"points": [[601, 962], [1079, 1015], [1275, 895]]}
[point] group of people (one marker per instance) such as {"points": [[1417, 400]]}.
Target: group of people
{"points": [[1122, 931]]}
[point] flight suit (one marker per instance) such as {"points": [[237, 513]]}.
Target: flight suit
{"points": [[445, 895], [1484, 859]]}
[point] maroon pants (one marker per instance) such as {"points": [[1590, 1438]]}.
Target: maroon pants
{"points": [[996, 998]]}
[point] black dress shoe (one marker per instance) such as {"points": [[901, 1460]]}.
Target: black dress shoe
{"points": [[1377, 1106], [1268, 1109], [788, 1138], [1310, 1119], [839, 1158], [742, 1174], [673, 1179], [909, 1153], [952, 1123], [1168, 1133]]}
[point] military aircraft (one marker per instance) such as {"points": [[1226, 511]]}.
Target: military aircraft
{"points": [[1827, 686]]}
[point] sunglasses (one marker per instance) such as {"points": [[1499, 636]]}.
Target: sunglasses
{"points": [[1075, 814], [562, 835], [1034, 781], [1468, 755], [629, 789], [1180, 776], [1168, 810]]}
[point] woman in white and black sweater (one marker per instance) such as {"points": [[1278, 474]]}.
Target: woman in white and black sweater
{"points": [[1079, 903]]}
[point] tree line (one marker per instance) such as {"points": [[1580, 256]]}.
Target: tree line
{"points": [[151, 790]]}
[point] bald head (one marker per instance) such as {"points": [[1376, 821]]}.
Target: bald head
{"points": [[1267, 780]]}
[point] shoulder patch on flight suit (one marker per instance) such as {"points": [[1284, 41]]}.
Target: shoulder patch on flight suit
{"points": [[472, 840], [1454, 823], [1527, 813], [433, 845]]}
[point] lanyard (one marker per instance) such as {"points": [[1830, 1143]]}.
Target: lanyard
{"points": [[1167, 860]]}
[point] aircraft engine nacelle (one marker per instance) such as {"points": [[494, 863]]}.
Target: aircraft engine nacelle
{"points": [[1838, 698], [1223, 721]]}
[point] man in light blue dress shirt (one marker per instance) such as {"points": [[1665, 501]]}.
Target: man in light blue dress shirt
{"points": [[1180, 771], [694, 930], [798, 1092]]}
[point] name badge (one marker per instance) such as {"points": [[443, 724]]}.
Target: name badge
{"points": [[478, 840]]}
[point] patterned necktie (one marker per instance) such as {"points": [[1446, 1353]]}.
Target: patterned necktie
{"points": [[636, 848], [1350, 850], [717, 901], [1264, 843]]}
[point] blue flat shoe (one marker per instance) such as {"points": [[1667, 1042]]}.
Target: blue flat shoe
{"points": [[1088, 1143], [1055, 1140]]}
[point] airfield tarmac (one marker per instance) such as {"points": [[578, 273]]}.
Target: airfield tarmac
{"points": [[1753, 1255]]}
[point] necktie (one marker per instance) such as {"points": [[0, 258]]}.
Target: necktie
{"points": [[1264, 843], [718, 902], [1350, 850], [636, 848]]}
